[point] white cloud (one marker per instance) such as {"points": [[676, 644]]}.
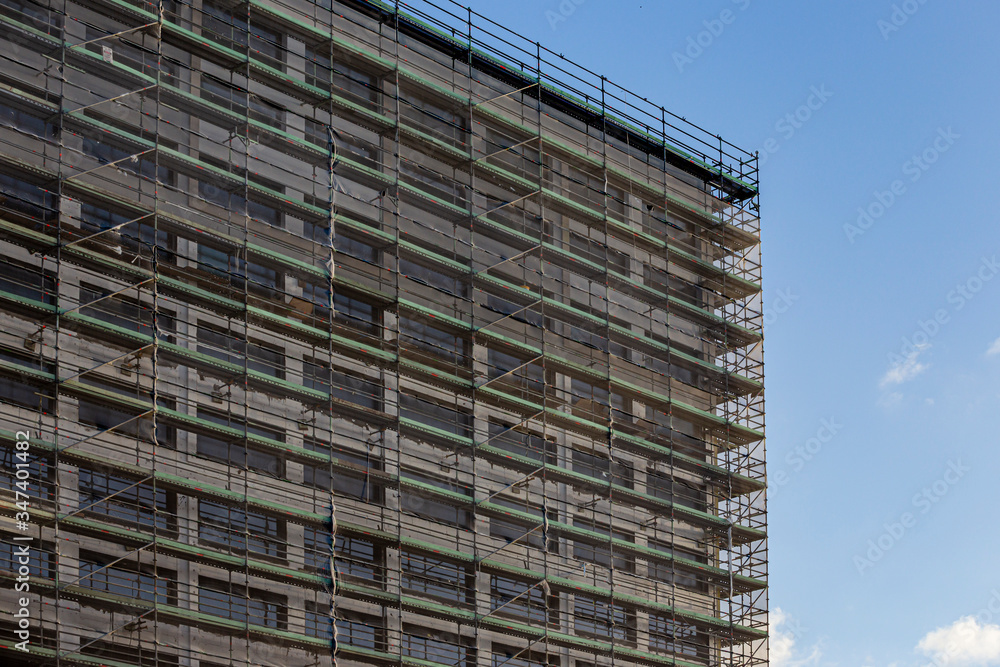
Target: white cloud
{"points": [[994, 349], [784, 632], [905, 369], [965, 643], [781, 643]]}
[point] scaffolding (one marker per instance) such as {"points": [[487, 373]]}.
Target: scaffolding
{"points": [[361, 333]]}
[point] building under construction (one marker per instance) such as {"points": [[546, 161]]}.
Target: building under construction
{"points": [[359, 333]]}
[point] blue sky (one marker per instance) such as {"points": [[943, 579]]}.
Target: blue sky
{"points": [[879, 367]]}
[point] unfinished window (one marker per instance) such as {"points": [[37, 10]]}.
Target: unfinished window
{"points": [[676, 432], [431, 413], [319, 619], [575, 183], [146, 165], [132, 231], [599, 552], [130, 580], [515, 153], [348, 311], [692, 293], [34, 14], [357, 314], [18, 389], [671, 636], [316, 548], [26, 202], [352, 247], [445, 187], [236, 451], [449, 283], [436, 578], [28, 281], [522, 600], [345, 145], [676, 490], [602, 468], [515, 213], [127, 500], [127, 153], [104, 652], [601, 620], [431, 343], [41, 472], [428, 505], [360, 560], [516, 373], [260, 357], [241, 604], [41, 557], [27, 120], [436, 646], [599, 253], [668, 572], [232, 192], [127, 312], [26, 394], [330, 478], [343, 385], [132, 54], [523, 443], [341, 78], [676, 371], [590, 335], [360, 630], [508, 656], [123, 421], [259, 280], [240, 530], [434, 118], [241, 101], [530, 532], [232, 26], [588, 400]]}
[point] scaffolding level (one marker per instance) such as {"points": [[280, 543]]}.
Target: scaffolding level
{"points": [[357, 333]]}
